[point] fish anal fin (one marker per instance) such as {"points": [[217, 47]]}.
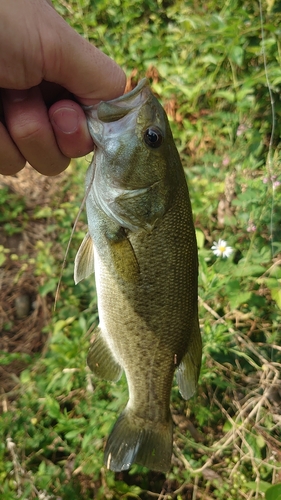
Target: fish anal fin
{"points": [[135, 441], [84, 260], [101, 360], [189, 368]]}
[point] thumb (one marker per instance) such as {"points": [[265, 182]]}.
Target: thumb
{"points": [[79, 66]]}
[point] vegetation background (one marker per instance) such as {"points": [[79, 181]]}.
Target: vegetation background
{"points": [[216, 68]]}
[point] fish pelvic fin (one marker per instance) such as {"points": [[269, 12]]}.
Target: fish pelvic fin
{"points": [[189, 369], [84, 260], [133, 440], [101, 360]]}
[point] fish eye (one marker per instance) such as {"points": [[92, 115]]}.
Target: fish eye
{"points": [[153, 137]]}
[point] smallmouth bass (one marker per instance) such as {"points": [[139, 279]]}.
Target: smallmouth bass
{"points": [[141, 244]]}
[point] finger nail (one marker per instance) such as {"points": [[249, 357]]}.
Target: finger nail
{"points": [[16, 95], [66, 119]]}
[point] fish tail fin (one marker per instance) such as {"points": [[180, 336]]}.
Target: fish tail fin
{"points": [[134, 440]]}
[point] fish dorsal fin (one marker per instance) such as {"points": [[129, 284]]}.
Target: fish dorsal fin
{"points": [[84, 260]]}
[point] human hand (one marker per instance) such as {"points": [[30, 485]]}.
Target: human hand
{"points": [[44, 66]]}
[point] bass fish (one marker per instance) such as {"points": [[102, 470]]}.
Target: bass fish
{"points": [[141, 244]]}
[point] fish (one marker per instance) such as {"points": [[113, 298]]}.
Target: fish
{"points": [[141, 245]]}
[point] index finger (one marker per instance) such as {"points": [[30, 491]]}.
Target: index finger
{"points": [[78, 66]]}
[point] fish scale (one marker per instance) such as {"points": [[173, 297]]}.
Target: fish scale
{"points": [[142, 246]]}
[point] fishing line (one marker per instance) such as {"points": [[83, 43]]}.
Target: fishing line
{"points": [[269, 162], [72, 232]]}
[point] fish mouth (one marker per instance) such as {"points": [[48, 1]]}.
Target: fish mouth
{"points": [[107, 112], [110, 111]]}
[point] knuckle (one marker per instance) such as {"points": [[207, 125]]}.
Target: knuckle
{"points": [[25, 130]]}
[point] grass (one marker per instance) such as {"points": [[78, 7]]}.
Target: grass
{"points": [[206, 64]]}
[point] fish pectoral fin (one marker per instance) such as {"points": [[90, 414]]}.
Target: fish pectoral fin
{"points": [[189, 368], [124, 260], [84, 260], [101, 360], [135, 440]]}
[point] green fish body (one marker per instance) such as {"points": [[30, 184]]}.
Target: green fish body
{"points": [[142, 246]]}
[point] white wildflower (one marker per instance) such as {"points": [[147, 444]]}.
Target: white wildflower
{"points": [[221, 249]]}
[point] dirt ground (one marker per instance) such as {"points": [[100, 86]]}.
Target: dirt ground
{"points": [[23, 312]]}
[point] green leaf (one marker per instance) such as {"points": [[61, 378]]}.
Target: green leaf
{"points": [[236, 55], [200, 238], [227, 426], [275, 272], [43, 213], [52, 407], [124, 489], [260, 442], [25, 377], [227, 95], [276, 295], [2, 258], [262, 486], [239, 298], [274, 492], [249, 270], [6, 358], [49, 286], [62, 323], [73, 434]]}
